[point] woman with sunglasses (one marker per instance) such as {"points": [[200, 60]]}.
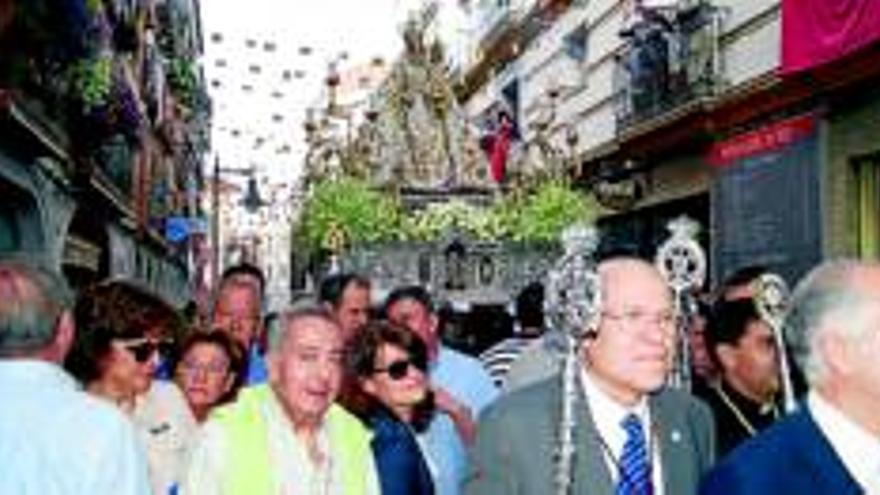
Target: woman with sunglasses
{"points": [[390, 364], [121, 329], [209, 371]]}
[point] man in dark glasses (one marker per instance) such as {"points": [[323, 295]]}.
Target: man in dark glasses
{"points": [[54, 438]]}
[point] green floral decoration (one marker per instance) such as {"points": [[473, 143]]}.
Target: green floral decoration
{"points": [[364, 215], [541, 216], [435, 220]]}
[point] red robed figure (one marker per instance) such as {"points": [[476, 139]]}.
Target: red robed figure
{"points": [[500, 147]]}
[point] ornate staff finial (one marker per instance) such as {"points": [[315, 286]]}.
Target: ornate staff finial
{"points": [[334, 241], [682, 263], [680, 258], [771, 296], [572, 298], [573, 302]]}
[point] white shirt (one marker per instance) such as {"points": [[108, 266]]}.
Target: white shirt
{"points": [[608, 416], [856, 447], [168, 429], [57, 440]]}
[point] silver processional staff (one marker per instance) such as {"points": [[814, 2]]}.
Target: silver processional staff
{"points": [[572, 302], [771, 297], [682, 263]]}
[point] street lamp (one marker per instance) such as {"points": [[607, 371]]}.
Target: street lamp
{"points": [[252, 202]]}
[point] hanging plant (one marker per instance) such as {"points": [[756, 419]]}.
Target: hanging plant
{"points": [[183, 79], [91, 81]]}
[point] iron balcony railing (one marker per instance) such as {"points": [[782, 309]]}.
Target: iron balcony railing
{"points": [[670, 58]]}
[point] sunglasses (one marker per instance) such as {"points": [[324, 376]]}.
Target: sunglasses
{"points": [[398, 369], [143, 350]]}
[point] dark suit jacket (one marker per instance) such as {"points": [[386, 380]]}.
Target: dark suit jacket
{"points": [[791, 456], [517, 441]]}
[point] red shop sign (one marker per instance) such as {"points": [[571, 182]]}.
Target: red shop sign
{"points": [[767, 138]]}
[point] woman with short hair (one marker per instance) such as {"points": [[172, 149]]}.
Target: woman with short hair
{"points": [[121, 330], [209, 371], [390, 363]]}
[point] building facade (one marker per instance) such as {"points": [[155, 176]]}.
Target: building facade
{"points": [[104, 118], [695, 107]]}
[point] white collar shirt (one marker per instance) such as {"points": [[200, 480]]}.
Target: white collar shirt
{"points": [[608, 416], [857, 448]]}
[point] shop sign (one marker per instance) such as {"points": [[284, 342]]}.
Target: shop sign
{"points": [[767, 138]]}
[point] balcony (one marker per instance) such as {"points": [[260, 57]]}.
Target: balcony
{"points": [[669, 63]]}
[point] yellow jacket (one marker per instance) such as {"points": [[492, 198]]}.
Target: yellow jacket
{"points": [[248, 467]]}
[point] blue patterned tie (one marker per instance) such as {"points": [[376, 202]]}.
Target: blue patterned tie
{"points": [[634, 477]]}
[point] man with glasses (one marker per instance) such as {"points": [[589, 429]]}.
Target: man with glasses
{"points": [[632, 435], [54, 438]]}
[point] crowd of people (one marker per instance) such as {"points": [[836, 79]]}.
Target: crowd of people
{"points": [[113, 391]]}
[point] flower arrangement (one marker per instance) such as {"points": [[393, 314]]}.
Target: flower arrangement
{"points": [[368, 217]]}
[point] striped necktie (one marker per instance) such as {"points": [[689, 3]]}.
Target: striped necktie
{"points": [[634, 476]]}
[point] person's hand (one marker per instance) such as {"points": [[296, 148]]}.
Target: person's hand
{"points": [[460, 414]]}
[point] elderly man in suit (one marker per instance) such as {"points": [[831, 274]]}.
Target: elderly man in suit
{"points": [[632, 435], [832, 445]]}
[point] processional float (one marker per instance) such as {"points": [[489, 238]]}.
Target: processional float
{"points": [[572, 302]]}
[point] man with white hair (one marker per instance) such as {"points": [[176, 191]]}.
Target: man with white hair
{"points": [[288, 436], [54, 438], [632, 435], [832, 444]]}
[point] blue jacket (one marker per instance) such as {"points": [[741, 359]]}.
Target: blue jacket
{"points": [[399, 462], [792, 456]]}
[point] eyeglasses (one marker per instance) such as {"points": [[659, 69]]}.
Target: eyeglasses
{"points": [[211, 368], [398, 369], [633, 317], [142, 350]]}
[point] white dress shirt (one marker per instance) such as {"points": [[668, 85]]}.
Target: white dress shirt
{"points": [[856, 447], [57, 440], [608, 416]]}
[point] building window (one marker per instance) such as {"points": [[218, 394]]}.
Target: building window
{"points": [[577, 44], [867, 207]]}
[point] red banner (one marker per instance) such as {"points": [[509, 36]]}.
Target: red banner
{"points": [[767, 138], [815, 32]]}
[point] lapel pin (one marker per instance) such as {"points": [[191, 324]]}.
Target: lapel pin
{"points": [[675, 436]]}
